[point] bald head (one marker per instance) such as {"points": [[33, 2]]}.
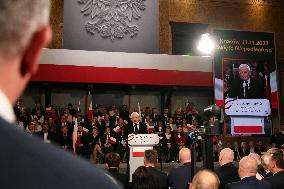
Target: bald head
{"points": [[256, 157], [226, 156], [265, 160], [185, 155], [205, 179], [247, 167]]}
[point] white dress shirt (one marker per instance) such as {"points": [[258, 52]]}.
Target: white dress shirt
{"points": [[6, 110]]}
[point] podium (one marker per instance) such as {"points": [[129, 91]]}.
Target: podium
{"points": [[138, 144]]}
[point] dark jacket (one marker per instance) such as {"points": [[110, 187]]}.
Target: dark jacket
{"points": [[277, 181], [180, 176], [120, 177], [130, 129], [249, 183], [227, 173], [42, 165], [255, 91], [161, 177]]}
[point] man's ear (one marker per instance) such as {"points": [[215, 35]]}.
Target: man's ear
{"points": [[32, 53]]}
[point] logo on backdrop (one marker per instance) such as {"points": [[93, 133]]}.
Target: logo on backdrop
{"points": [[112, 19]]}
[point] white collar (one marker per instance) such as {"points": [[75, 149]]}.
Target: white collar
{"points": [[6, 110], [247, 81]]}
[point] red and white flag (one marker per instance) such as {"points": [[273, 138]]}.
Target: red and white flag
{"points": [[117, 129], [151, 128], [112, 140], [75, 134], [187, 107]]}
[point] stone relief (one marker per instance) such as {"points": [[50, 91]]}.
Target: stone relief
{"points": [[112, 19]]}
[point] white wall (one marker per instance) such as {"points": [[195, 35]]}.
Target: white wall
{"points": [[61, 98], [31, 96], [198, 98]]}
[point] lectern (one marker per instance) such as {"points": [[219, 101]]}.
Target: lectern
{"points": [[138, 144]]}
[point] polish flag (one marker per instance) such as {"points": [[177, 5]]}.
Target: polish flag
{"points": [[112, 140], [117, 129], [151, 128], [187, 107], [139, 151], [247, 125]]}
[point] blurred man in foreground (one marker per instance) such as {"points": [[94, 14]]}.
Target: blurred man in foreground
{"points": [[24, 32], [205, 179]]}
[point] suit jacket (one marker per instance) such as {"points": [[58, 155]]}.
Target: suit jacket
{"points": [[249, 183], [159, 176], [227, 173], [237, 152], [255, 91], [180, 177], [244, 153], [277, 181], [43, 163], [279, 139], [130, 129], [120, 177], [50, 136]]}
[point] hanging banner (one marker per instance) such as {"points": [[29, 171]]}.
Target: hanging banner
{"points": [[245, 80]]}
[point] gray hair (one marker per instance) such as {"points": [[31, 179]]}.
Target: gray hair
{"points": [[134, 114], [19, 19], [244, 66]]}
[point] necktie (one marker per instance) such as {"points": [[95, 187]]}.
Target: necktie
{"points": [[135, 129], [245, 89]]}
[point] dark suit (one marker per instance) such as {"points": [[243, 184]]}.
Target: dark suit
{"points": [[237, 153], [277, 181], [254, 91], [279, 140], [50, 136], [130, 129], [244, 152], [249, 183], [159, 176], [227, 173], [180, 177], [29, 163], [121, 178]]}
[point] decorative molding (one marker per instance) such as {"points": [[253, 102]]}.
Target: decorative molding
{"points": [[112, 18]]}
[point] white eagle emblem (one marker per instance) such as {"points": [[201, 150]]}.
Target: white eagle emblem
{"points": [[112, 18]]}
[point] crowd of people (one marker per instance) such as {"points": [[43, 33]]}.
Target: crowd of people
{"points": [[102, 131], [251, 172]]}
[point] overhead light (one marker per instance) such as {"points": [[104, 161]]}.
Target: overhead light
{"points": [[205, 45]]}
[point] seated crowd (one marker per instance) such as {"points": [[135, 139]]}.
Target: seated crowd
{"points": [[102, 130], [252, 172]]}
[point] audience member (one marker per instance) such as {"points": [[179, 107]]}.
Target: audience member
{"points": [[112, 162], [27, 161], [280, 137], [143, 179], [252, 148], [265, 161], [205, 179], [236, 149], [276, 167], [179, 177], [244, 151], [150, 161], [247, 172], [227, 172], [260, 169], [261, 148]]}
